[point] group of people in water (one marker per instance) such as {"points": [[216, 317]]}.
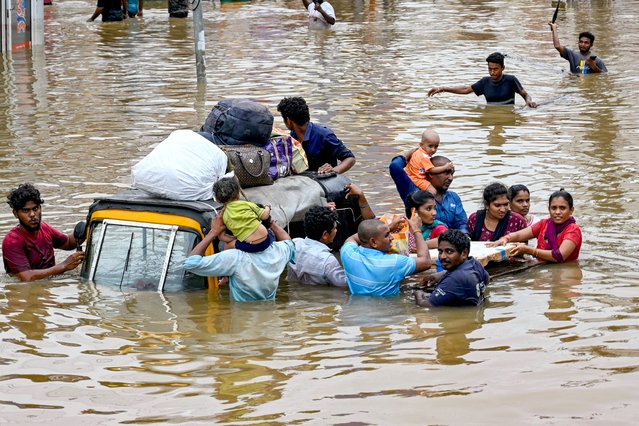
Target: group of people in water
{"points": [[371, 264], [259, 249]]}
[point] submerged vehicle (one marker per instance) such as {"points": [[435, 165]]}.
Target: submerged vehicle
{"points": [[136, 241]]}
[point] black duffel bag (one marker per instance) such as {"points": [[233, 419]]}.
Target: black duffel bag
{"points": [[239, 122]]}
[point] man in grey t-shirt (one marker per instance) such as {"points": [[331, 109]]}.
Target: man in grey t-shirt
{"points": [[582, 62]]}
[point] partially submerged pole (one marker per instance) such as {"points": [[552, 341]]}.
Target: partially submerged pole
{"points": [[198, 37]]}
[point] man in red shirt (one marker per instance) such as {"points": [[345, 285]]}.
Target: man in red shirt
{"points": [[27, 250]]}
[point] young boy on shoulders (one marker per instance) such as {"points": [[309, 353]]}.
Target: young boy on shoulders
{"points": [[242, 218], [420, 162], [464, 281]]}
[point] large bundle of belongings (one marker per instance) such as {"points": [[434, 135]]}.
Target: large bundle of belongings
{"points": [[238, 139], [259, 153]]}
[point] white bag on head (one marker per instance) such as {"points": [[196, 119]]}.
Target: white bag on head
{"points": [[184, 166]]}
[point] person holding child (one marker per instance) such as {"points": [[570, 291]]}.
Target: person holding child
{"points": [[420, 162], [243, 218]]}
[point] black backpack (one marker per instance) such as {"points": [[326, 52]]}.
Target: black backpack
{"points": [[239, 122]]}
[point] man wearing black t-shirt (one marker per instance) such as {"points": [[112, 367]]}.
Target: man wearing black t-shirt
{"points": [[498, 89]]}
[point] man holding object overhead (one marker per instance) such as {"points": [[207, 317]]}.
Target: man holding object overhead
{"points": [[498, 88], [582, 62], [320, 14]]}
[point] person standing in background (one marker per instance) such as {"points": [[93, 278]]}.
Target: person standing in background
{"points": [[582, 62], [321, 14]]}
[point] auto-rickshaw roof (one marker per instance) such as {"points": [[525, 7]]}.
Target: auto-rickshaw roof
{"points": [[137, 200]]}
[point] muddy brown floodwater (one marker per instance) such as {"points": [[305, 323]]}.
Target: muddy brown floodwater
{"points": [[556, 345]]}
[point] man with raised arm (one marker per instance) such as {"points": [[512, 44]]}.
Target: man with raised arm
{"points": [[582, 62]]}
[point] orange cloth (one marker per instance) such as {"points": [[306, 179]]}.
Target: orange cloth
{"points": [[417, 168]]}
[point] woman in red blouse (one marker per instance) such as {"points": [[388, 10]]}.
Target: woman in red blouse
{"points": [[558, 237]]}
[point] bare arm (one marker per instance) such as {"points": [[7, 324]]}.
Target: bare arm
{"points": [[217, 228], [423, 256], [459, 90], [566, 248], [267, 212], [441, 169], [353, 239], [514, 237], [555, 38], [329, 19], [353, 190], [344, 166], [279, 232], [529, 102], [98, 12], [140, 8], [306, 3], [71, 262]]}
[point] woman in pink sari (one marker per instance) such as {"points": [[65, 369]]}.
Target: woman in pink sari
{"points": [[558, 237]]}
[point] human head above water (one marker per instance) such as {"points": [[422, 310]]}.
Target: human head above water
{"points": [[24, 193], [295, 109], [495, 65], [496, 58], [226, 189], [429, 142], [494, 191], [586, 40], [456, 238], [519, 198], [440, 181], [319, 220], [514, 190], [561, 194], [417, 199]]}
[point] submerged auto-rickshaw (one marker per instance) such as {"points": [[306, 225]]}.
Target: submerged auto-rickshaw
{"points": [[136, 241]]}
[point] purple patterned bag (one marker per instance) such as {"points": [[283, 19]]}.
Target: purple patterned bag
{"points": [[281, 150]]}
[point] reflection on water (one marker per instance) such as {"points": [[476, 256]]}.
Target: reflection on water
{"points": [[555, 344]]}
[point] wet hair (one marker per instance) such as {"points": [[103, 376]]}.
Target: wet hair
{"points": [[456, 238], [368, 229], [561, 194], [294, 108], [416, 200], [493, 191], [588, 35], [20, 196], [226, 189], [516, 189], [496, 58], [317, 220]]}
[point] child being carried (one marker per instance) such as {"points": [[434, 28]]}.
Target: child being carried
{"points": [[420, 164], [242, 218]]}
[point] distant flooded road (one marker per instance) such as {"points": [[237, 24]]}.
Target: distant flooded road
{"points": [[555, 345]]}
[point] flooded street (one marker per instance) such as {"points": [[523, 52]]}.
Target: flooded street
{"points": [[558, 344]]}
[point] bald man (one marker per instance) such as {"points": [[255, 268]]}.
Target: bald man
{"points": [[370, 269]]}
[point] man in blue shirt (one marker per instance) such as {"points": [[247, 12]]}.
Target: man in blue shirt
{"points": [[323, 148], [449, 206], [370, 270], [465, 279], [253, 276]]}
